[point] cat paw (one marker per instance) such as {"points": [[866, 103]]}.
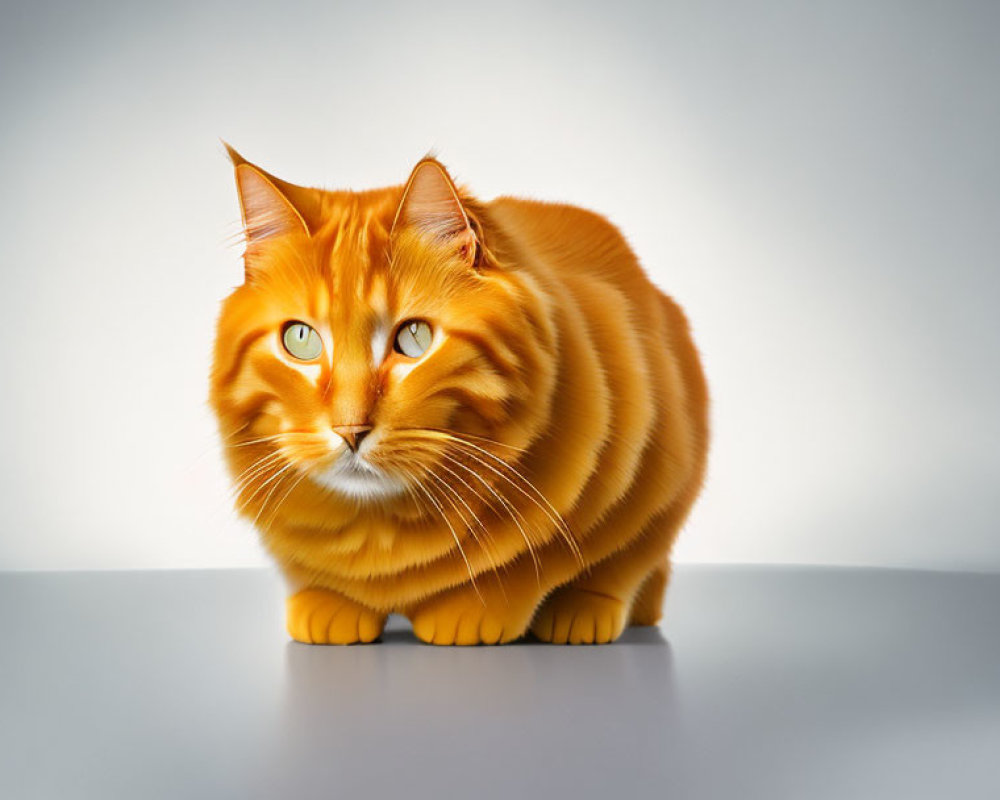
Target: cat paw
{"points": [[316, 616], [580, 616], [464, 620]]}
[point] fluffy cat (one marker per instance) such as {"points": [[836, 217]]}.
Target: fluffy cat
{"points": [[483, 416]]}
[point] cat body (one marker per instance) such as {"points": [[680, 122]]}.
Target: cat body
{"points": [[483, 416]]}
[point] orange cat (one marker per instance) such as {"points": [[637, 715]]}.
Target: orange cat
{"points": [[482, 416]]}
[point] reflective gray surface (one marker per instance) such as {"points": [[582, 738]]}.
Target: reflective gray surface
{"points": [[765, 683]]}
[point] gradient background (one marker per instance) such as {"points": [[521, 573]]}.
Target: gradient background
{"points": [[818, 185]]}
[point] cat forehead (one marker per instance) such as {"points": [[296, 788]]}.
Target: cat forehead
{"points": [[355, 233], [354, 261], [345, 216], [351, 255]]}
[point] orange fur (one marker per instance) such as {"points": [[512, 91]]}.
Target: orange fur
{"points": [[545, 450]]}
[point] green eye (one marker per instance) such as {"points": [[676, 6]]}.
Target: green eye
{"points": [[302, 341], [413, 338]]}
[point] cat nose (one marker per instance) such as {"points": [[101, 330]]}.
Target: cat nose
{"points": [[352, 434]]}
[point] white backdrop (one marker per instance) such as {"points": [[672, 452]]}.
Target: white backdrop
{"points": [[818, 186]]}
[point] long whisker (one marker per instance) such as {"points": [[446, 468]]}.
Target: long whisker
{"points": [[247, 477], [261, 440], [449, 492], [463, 435], [286, 435], [291, 488], [539, 500], [263, 485], [508, 507], [257, 461], [471, 489], [210, 449], [430, 473], [548, 508], [274, 512], [417, 500], [251, 473], [454, 536], [274, 488], [556, 522], [230, 436]]}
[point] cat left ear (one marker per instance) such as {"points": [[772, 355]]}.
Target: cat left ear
{"points": [[431, 205]]}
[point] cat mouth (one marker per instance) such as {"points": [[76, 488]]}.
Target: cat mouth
{"points": [[352, 476]]}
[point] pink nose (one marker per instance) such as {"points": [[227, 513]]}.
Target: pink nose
{"points": [[352, 434]]}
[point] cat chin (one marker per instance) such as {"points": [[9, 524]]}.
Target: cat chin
{"points": [[358, 480]]}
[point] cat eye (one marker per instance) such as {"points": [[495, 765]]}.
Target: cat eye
{"points": [[301, 341], [413, 338]]}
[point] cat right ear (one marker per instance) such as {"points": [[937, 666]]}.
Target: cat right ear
{"points": [[266, 203], [431, 204]]}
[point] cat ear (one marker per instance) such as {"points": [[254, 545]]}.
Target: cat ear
{"points": [[431, 205], [270, 207]]}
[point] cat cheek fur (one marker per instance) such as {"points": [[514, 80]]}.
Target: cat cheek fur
{"points": [[529, 472]]}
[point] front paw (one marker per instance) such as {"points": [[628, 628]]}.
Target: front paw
{"points": [[462, 618], [318, 616], [580, 616]]}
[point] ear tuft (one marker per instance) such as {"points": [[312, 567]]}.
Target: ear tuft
{"points": [[234, 156]]}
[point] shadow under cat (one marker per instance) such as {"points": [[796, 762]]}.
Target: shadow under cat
{"points": [[493, 721]]}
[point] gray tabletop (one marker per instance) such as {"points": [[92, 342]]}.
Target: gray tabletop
{"points": [[762, 682]]}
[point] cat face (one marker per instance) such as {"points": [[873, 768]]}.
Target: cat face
{"points": [[371, 331]]}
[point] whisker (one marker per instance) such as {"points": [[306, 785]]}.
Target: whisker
{"points": [[454, 536], [548, 508], [274, 513], [417, 501], [261, 440], [471, 489], [556, 522], [274, 488], [238, 492], [508, 507], [266, 482], [485, 439], [447, 488], [259, 466], [232, 435], [540, 501]]}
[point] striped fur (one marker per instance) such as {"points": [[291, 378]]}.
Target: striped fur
{"points": [[548, 446]]}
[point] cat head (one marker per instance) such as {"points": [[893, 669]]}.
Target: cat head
{"points": [[379, 340]]}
